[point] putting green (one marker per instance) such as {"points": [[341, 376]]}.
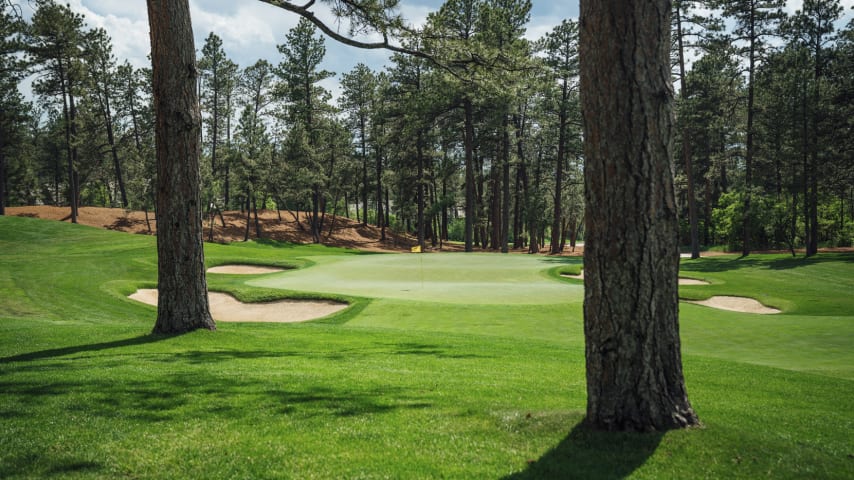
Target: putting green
{"points": [[444, 278]]}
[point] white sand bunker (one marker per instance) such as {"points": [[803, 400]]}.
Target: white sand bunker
{"points": [[736, 304], [244, 269], [682, 281], [226, 308]]}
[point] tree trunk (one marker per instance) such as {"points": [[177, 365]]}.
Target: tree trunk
{"points": [[420, 153], [68, 142], [495, 204], [183, 297], [255, 215], [379, 173], [505, 164], [365, 189], [535, 228], [248, 216], [147, 221], [805, 142], [108, 120], [631, 257], [748, 158], [812, 248], [470, 193], [315, 214], [686, 148], [561, 154], [387, 210]]}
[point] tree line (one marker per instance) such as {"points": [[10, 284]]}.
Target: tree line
{"points": [[478, 141]]}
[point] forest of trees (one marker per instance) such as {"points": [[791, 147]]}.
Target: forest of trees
{"points": [[481, 142]]}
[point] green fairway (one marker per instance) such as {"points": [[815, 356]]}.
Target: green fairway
{"points": [[477, 374], [451, 278]]}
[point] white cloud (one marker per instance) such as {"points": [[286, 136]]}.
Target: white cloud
{"points": [[132, 41], [415, 15], [251, 30], [539, 26]]}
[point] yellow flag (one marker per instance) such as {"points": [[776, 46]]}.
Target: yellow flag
{"points": [[416, 249]]}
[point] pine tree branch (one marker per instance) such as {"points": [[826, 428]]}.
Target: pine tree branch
{"points": [[304, 12]]}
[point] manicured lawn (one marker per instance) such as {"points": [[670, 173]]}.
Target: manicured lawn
{"points": [[467, 377]]}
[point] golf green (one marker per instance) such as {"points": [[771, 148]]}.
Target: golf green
{"points": [[459, 278]]}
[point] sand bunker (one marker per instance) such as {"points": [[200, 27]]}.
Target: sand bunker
{"points": [[580, 276], [244, 269], [226, 308], [736, 304], [682, 281]]}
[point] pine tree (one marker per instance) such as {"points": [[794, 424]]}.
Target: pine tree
{"points": [[55, 46], [755, 21], [306, 103]]}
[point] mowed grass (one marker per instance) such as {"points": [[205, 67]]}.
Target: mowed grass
{"points": [[399, 386]]}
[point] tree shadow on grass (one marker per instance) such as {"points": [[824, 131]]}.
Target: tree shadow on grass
{"points": [[91, 347], [728, 264], [48, 466], [591, 454]]}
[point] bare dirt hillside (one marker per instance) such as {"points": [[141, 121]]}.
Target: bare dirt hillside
{"points": [[338, 231]]}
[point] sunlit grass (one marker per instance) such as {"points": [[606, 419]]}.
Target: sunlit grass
{"points": [[393, 388]]}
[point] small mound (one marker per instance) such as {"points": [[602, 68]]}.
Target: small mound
{"points": [[682, 281], [244, 269], [225, 308], [736, 304]]}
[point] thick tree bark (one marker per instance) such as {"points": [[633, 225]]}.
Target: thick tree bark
{"points": [[183, 297], [631, 257]]}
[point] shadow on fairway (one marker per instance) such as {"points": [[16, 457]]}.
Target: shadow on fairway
{"points": [[728, 264], [589, 454], [92, 347], [49, 466]]}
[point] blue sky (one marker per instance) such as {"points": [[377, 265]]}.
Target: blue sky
{"points": [[250, 30]]}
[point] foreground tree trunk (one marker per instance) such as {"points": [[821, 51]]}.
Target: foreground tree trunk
{"points": [[181, 284], [631, 257]]}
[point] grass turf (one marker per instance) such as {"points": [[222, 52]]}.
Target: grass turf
{"points": [[396, 387]]}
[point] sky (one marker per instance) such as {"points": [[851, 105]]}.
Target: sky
{"points": [[250, 30]]}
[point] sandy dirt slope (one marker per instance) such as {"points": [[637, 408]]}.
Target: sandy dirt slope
{"points": [[338, 231], [344, 232]]}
